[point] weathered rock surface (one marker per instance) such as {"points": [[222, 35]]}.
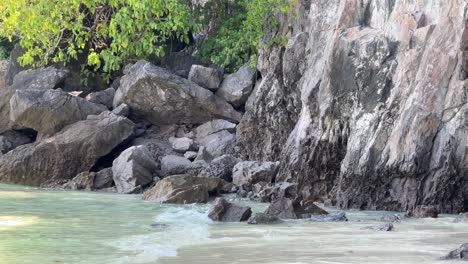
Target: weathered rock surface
{"points": [[263, 219], [3, 72], [182, 189], [82, 181], [183, 145], [105, 97], [104, 179], [48, 111], [378, 118], [133, 169], [251, 172], [217, 136], [224, 211], [285, 208], [237, 87], [459, 253], [220, 168], [173, 165], [42, 79], [164, 98], [61, 157], [423, 212], [203, 155], [206, 77], [336, 217], [12, 139]]}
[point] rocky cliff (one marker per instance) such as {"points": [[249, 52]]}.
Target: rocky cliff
{"points": [[367, 104]]}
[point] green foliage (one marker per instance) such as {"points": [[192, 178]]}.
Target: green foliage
{"points": [[108, 33], [240, 29]]}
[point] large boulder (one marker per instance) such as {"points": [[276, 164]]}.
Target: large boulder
{"points": [[41, 79], [459, 253], [48, 111], [104, 179], [11, 139], [286, 208], [164, 98], [182, 189], [217, 136], [173, 165], [75, 149], [237, 87], [224, 211], [251, 172], [105, 97], [133, 169], [206, 77], [220, 167]]}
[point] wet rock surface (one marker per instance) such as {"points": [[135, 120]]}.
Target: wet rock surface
{"points": [[224, 211]]}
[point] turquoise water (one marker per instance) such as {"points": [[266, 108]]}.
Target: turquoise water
{"points": [[43, 227]]}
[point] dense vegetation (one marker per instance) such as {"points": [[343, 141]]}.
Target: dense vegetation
{"points": [[111, 33]]}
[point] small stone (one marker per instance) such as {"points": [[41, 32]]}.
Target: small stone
{"points": [[190, 155]]}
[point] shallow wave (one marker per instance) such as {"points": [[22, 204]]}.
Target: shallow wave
{"points": [[177, 227]]}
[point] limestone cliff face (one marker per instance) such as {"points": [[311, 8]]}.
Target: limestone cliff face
{"points": [[367, 104]]}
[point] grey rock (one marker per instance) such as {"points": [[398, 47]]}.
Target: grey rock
{"points": [[191, 155], [183, 145], [204, 155], [134, 168], [224, 211], [236, 87], [423, 212], [173, 165], [459, 253], [286, 208], [122, 110], [336, 217], [75, 149], [387, 227], [182, 189], [42, 79], [213, 127], [82, 181], [263, 219], [206, 77], [218, 144], [196, 167], [105, 97], [220, 167], [104, 179], [3, 72], [462, 218], [294, 65], [12, 139], [48, 111], [251, 172], [164, 98]]}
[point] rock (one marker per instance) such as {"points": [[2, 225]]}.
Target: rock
{"points": [[180, 63], [391, 218], [237, 87], [163, 98], [220, 168], [42, 79], [3, 72], [196, 167], [173, 165], [293, 63], [462, 218], [104, 179], [378, 118], [254, 171], [459, 253], [263, 219], [423, 212], [203, 155], [218, 144], [82, 181], [183, 189], [134, 168], [122, 110], [208, 78], [213, 127], [75, 149], [224, 211], [183, 145], [286, 208], [385, 227], [337, 217], [105, 97], [191, 155], [12, 139], [48, 111]]}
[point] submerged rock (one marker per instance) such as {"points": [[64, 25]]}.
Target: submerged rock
{"points": [[263, 219], [133, 169], [336, 217], [286, 208], [75, 149], [391, 218], [164, 98], [423, 212], [181, 189], [224, 211], [462, 218], [385, 227], [459, 253]]}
